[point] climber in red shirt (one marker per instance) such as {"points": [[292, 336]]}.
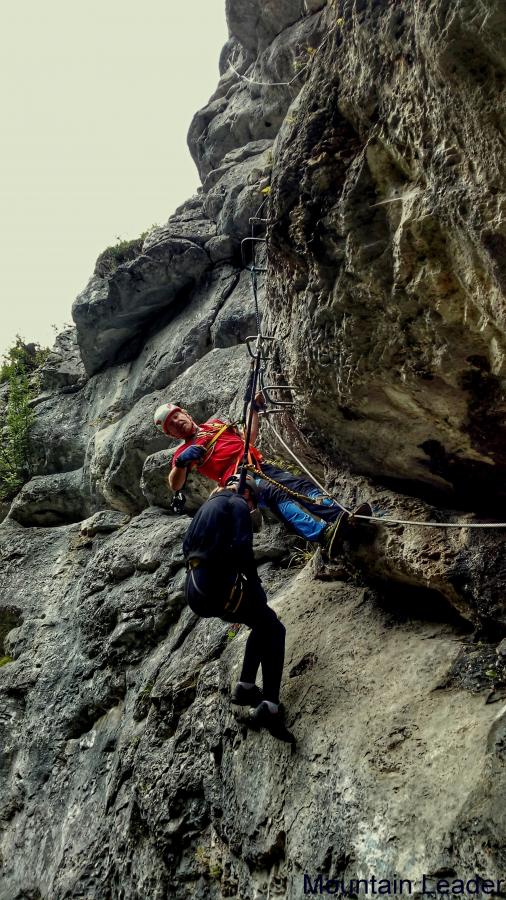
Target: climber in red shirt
{"points": [[216, 449]]}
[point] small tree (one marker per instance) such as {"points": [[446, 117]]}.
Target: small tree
{"points": [[17, 370]]}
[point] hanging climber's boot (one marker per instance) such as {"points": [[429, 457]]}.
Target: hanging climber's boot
{"points": [[365, 509], [333, 535], [361, 530]]}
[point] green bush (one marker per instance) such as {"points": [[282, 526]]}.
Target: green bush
{"points": [[28, 357], [119, 253], [18, 370]]}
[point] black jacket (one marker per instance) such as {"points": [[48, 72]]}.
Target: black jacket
{"points": [[221, 534]]}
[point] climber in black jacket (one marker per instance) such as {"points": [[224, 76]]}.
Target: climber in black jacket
{"points": [[222, 581]]}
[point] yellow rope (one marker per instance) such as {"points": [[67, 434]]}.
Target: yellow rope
{"points": [[283, 487]]}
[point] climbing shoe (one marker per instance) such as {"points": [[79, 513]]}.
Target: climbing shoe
{"points": [[361, 531], [365, 509], [243, 696], [273, 722], [333, 535]]}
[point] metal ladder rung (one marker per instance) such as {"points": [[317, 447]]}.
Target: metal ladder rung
{"points": [[278, 402], [249, 240], [263, 337], [254, 337]]}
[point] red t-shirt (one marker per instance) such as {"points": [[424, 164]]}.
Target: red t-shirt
{"points": [[222, 459]]}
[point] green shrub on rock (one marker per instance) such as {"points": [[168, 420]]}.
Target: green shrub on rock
{"points": [[119, 253], [22, 356], [18, 371]]}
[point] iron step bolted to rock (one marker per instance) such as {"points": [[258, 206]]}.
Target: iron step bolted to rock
{"points": [[266, 388], [278, 405], [252, 240]]}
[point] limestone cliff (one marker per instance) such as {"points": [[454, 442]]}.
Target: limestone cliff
{"points": [[370, 136]]}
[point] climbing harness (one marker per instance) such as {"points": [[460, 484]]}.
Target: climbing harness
{"points": [[233, 601], [219, 430]]}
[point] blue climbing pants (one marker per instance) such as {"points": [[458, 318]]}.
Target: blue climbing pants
{"points": [[306, 518]]}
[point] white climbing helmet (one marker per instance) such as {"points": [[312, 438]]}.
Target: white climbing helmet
{"points": [[163, 415]]}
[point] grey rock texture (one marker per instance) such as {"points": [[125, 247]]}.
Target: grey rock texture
{"points": [[125, 773], [63, 368], [111, 311], [103, 522], [188, 223], [255, 24], [241, 115], [387, 191], [51, 500], [142, 739], [221, 248], [236, 320], [68, 432], [459, 568], [234, 190]]}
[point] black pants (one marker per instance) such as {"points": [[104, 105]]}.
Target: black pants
{"points": [[211, 593]]}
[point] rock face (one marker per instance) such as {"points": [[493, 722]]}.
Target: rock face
{"points": [[388, 188], [370, 138], [111, 311]]}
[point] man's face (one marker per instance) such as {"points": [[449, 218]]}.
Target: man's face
{"points": [[180, 425]]}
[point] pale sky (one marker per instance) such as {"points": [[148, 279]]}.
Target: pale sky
{"points": [[96, 100]]}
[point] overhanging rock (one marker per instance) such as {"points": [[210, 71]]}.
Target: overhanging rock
{"points": [[111, 312]]}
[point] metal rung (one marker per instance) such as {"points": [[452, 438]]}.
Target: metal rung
{"points": [[249, 240], [254, 337], [279, 387], [278, 402], [266, 221], [263, 337], [268, 412]]}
